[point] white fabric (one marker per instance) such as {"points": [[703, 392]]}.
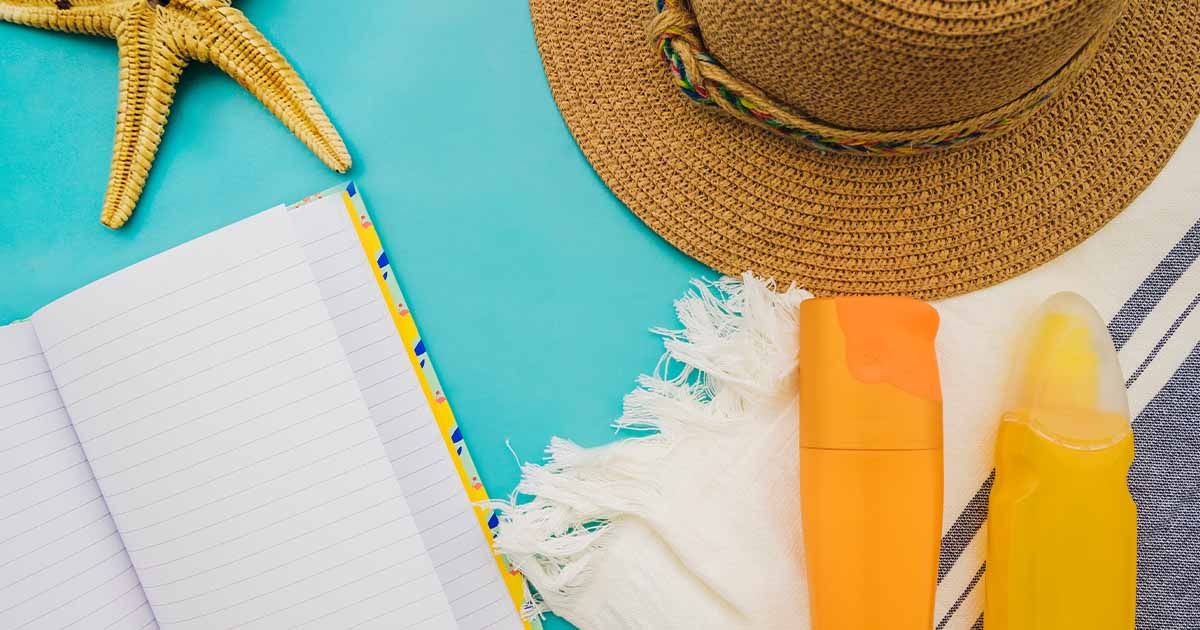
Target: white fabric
{"points": [[696, 526]]}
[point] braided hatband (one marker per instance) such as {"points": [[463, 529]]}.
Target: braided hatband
{"points": [[676, 35]]}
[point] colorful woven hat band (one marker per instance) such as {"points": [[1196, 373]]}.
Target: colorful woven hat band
{"points": [[676, 35]]}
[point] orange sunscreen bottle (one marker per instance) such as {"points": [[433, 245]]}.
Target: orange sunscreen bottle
{"points": [[870, 461]]}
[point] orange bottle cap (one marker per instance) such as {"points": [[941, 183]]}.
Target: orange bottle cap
{"points": [[869, 374]]}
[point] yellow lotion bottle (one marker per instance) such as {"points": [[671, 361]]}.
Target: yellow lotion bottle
{"points": [[1062, 530]]}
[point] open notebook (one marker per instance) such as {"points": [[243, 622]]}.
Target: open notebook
{"points": [[241, 432]]}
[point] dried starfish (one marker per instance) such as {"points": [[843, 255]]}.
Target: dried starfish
{"points": [[155, 40]]}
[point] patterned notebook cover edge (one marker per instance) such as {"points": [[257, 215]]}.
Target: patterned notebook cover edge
{"points": [[435, 396]]}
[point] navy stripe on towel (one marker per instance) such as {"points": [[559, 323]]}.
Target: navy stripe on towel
{"points": [[962, 597], [1154, 287], [1162, 342], [1165, 482], [963, 531]]}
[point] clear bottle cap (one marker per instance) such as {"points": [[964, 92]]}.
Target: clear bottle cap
{"points": [[1067, 382]]}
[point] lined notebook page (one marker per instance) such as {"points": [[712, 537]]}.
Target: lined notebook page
{"points": [[211, 394], [452, 535], [62, 564]]}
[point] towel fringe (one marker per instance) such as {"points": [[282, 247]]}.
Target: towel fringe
{"points": [[725, 359]]}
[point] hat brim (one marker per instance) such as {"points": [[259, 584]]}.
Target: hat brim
{"points": [[739, 198]]}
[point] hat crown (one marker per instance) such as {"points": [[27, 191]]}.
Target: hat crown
{"points": [[898, 64]]}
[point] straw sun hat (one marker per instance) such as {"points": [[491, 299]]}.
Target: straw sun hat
{"points": [[920, 147]]}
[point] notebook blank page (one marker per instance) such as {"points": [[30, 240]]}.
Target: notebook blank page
{"points": [[210, 392], [461, 555], [62, 564]]}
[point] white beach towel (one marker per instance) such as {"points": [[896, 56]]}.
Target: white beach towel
{"points": [[695, 524]]}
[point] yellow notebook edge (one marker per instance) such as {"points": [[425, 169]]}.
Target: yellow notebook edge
{"points": [[435, 396]]}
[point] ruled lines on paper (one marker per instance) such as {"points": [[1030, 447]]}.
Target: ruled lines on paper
{"points": [[417, 452], [62, 562], [228, 433]]}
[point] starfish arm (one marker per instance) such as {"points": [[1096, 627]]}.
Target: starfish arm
{"points": [[92, 17], [233, 44], [150, 68]]}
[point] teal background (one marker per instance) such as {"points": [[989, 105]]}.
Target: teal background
{"points": [[533, 286]]}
